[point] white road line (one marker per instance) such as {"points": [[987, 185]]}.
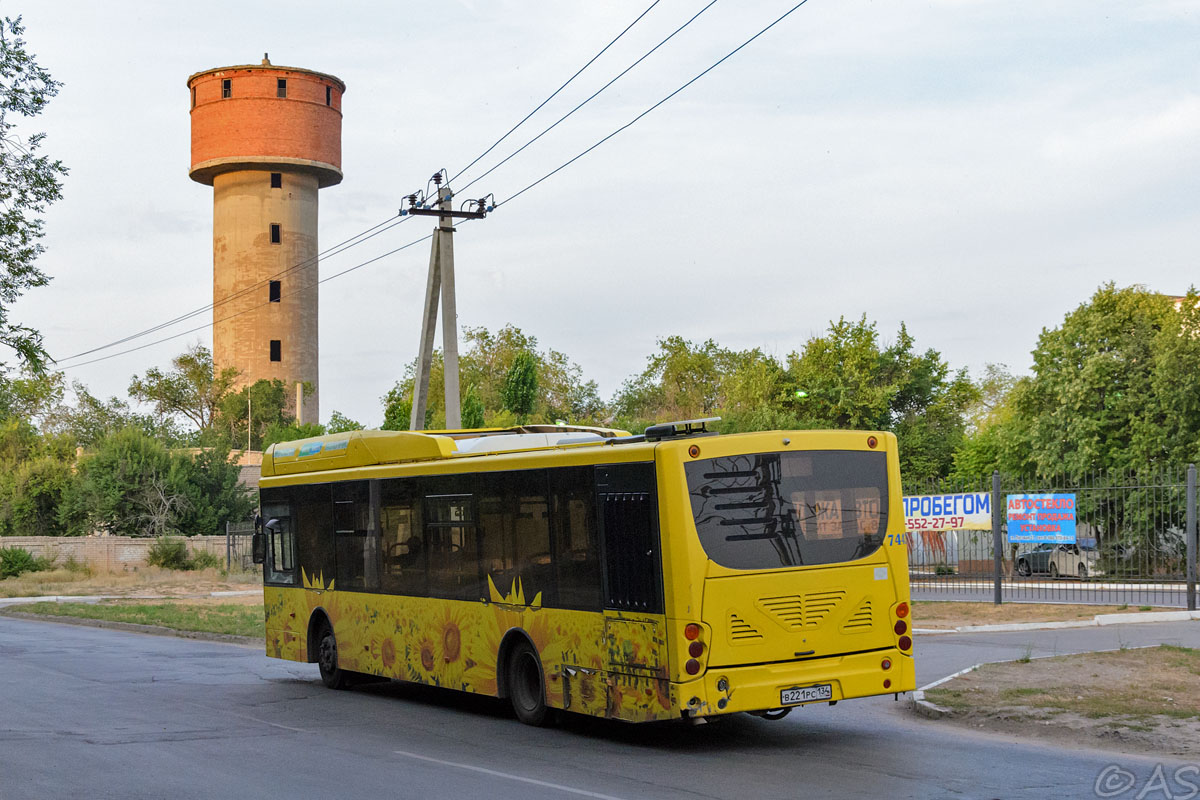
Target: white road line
{"points": [[534, 781]]}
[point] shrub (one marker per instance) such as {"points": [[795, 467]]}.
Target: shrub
{"points": [[76, 566], [168, 552], [205, 560], [943, 569], [16, 561]]}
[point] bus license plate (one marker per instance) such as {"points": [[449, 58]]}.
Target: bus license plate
{"points": [[806, 694]]}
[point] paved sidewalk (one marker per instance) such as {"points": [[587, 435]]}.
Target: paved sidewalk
{"points": [[96, 598]]}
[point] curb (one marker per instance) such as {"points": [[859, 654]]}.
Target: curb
{"points": [[1132, 618], [133, 627]]}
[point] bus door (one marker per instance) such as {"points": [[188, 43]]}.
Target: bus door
{"points": [[635, 656]]}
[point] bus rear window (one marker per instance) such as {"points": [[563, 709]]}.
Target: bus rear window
{"points": [[769, 510]]}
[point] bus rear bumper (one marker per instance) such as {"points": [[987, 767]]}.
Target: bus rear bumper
{"points": [[727, 690]]}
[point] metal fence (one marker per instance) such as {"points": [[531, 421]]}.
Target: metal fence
{"points": [[239, 538], [1135, 542]]}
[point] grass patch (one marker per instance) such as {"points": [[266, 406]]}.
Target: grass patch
{"points": [[75, 578], [1151, 691], [238, 620]]}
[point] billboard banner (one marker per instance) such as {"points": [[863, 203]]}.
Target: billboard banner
{"points": [[948, 512], [1037, 518]]}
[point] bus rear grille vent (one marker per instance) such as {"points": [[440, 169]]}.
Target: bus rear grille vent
{"points": [[862, 619], [809, 611], [742, 631]]}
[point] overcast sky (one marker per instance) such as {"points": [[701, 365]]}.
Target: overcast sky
{"points": [[974, 169]]}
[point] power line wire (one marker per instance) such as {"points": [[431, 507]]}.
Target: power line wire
{"points": [[424, 238], [555, 92], [631, 122], [624, 72], [336, 249]]}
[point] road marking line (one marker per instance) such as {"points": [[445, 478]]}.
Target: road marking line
{"points": [[485, 771]]}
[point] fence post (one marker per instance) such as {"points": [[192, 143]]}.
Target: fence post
{"points": [[1191, 537], [997, 544], [228, 552]]}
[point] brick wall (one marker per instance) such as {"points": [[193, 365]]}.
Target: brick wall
{"points": [[105, 553]]}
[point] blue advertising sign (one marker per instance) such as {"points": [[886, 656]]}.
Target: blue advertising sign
{"points": [[948, 512], [1035, 518]]}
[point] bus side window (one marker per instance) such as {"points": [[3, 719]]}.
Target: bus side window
{"points": [[576, 550], [403, 540], [355, 535], [314, 533], [514, 533], [451, 539], [281, 546]]}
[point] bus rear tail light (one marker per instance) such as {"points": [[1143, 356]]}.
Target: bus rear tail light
{"points": [[695, 649], [872, 442], [887, 683], [901, 627], [885, 664], [692, 631], [692, 666], [905, 643], [902, 610]]}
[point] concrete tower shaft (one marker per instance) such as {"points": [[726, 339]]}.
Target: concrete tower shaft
{"points": [[266, 138]]}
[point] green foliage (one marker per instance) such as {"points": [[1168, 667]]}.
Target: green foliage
{"points": [[29, 182], [16, 561], [118, 485], [31, 506], [561, 390], [340, 423], [472, 409], [171, 552], [168, 552], [207, 480], [519, 392], [265, 405], [202, 559], [191, 390]]}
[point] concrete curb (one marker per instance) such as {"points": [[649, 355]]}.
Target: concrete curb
{"points": [[1132, 618], [133, 627]]}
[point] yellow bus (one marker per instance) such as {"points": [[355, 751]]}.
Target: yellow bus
{"points": [[674, 574]]}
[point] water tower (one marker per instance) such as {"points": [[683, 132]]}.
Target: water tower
{"points": [[267, 138]]}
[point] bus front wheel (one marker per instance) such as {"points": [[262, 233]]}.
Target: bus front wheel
{"points": [[327, 660], [525, 686]]}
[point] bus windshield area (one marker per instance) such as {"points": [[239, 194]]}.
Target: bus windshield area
{"points": [[771, 510]]}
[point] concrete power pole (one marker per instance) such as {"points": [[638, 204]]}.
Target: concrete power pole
{"points": [[440, 281]]}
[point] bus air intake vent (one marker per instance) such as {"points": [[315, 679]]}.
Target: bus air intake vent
{"points": [[861, 620], [796, 612], [741, 631]]}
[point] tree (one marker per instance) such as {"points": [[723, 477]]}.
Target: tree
{"points": [[260, 407], [113, 484], [1090, 403], [472, 409], [521, 385], [28, 184], [340, 423], [208, 482], [192, 390]]}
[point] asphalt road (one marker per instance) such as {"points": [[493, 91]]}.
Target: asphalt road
{"points": [[88, 713]]}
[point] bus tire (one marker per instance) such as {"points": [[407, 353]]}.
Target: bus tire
{"points": [[327, 660], [526, 687]]}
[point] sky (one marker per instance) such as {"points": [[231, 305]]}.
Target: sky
{"points": [[969, 168]]}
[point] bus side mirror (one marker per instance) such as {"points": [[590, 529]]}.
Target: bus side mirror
{"points": [[259, 542]]}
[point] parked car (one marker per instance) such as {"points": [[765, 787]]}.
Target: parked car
{"points": [[1055, 560]]}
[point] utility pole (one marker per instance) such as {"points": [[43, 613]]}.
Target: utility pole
{"points": [[440, 281]]}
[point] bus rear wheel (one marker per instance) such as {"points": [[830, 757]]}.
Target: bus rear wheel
{"points": [[525, 686], [327, 660]]}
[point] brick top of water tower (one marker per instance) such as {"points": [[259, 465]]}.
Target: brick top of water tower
{"points": [[261, 116]]}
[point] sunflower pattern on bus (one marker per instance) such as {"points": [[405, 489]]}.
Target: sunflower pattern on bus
{"points": [[456, 645]]}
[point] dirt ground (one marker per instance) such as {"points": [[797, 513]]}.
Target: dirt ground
{"points": [[933, 615], [1144, 700], [145, 581]]}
